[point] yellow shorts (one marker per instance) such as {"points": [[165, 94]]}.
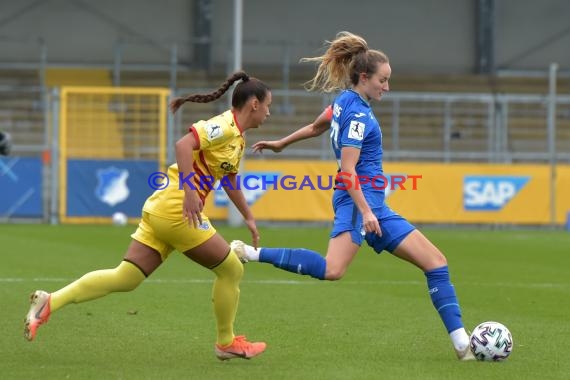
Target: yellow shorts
{"points": [[165, 235]]}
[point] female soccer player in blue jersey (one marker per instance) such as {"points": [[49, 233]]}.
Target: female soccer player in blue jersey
{"points": [[172, 219], [362, 75]]}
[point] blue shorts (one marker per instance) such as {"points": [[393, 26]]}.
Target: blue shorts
{"points": [[394, 227]]}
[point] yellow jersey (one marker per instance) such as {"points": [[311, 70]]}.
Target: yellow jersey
{"points": [[220, 150]]}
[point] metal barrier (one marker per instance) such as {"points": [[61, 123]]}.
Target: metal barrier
{"points": [[445, 127], [423, 126]]}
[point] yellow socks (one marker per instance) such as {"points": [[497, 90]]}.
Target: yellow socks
{"points": [[127, 276], [123, 278], [225, 296]]}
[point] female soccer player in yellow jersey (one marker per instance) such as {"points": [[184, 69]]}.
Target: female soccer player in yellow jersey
{"points": [[172, 219]]}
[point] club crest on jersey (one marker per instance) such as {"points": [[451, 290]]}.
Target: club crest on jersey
{"points": [[213, 131], [204, 226], [356, 130]]}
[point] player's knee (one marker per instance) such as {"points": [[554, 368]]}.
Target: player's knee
{"points": [[236, 270], [441, 260], [437, 261], [335, 267], [334, 274], [128, 276], [231, 268], [127, 284], [130, 285]]}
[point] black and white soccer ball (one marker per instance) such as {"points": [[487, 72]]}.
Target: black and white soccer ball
{"points": [[491, 341]]}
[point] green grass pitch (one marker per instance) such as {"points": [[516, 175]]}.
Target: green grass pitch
{"points": [[376, 323]]}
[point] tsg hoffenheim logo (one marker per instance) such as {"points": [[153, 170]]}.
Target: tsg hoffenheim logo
{"points": [[112, 185], [490, 193]]}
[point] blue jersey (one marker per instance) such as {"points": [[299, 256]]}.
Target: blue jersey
{"points": [[354, 125]]}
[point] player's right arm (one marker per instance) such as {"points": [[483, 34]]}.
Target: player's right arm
{"points": [[316, 128], [192, 205]]}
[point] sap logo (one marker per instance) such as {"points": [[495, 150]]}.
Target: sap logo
{"points": [[252, 184], [490, 193]]}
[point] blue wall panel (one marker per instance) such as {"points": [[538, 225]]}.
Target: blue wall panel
{"points": [[101, 187], [20, 187]]}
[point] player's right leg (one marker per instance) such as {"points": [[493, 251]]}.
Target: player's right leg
{"points": [[345, 239], [340, 252], [418, 250], [295, 260], [210, 250]]}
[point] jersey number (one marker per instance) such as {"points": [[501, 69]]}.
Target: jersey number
{"points": [[334, 134]]}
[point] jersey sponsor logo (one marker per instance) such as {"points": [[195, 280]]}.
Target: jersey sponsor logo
{"points": [[213, 131], [356, 130], [360, 114], [490, 193], [228, 167], [112, 185]]}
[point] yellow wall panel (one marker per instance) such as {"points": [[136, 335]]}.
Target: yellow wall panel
{"points": [[446, 193]]}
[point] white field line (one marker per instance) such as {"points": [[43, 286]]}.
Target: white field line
{"points": [[545, 285]]}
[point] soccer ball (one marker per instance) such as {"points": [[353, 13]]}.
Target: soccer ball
{"points": [[491, 341], [120, 219]]}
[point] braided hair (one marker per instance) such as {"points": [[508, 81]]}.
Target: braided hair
{"points": [[247, 88]]}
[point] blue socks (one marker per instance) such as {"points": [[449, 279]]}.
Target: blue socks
{"points": [[443, 298], [295, 260], [307, 262]]}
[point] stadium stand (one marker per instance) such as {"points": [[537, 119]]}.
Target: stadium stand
{"points": [[422, 125], [21, 110]]}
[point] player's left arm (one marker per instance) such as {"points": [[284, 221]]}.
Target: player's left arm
{"points": [[238, 199]]}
